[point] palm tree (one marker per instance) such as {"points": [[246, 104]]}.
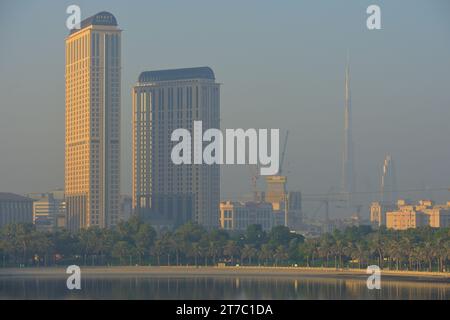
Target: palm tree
{"points": [[167, 246], [406, 248], [231, 250], [429, 254], [305, 250], [40, 246], [265, 253], [311, 249], [143, 240], [445, 254], [360, 251], [442, 252], [354, 250], [213, 250], [377, 246], [203, 247], [248, 252], [24, 238], [324, 249], [121, 250], [5, 248], [395, 253], [338, 250], [173, 246], [280, 254], [193, 251], [417, 256], [158, 249]]}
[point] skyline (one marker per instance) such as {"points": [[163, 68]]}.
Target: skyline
{"points": [[398, 100]]}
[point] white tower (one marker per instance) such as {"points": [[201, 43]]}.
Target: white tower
{"points": [[388, 182]]}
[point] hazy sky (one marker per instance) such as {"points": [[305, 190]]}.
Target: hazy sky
{"points": [[281, 64]]}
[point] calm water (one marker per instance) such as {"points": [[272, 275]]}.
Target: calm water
{"points": [[143, 287]]}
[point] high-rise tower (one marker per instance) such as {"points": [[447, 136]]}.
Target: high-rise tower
{"points": [[164, 193], [92, 142], [348, 171]]}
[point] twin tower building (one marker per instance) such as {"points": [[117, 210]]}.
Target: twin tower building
{"points": [[163, 193]]}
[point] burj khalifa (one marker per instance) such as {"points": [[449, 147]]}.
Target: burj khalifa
{"points": [[348, 171]]}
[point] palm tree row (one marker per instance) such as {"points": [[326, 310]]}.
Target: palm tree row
{"points": [[422, 249], [137, 243]]}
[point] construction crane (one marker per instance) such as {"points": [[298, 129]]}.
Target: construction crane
{"points": [[280, 172], [283, 154], [254, 170], [324, 200], [357, 207]]}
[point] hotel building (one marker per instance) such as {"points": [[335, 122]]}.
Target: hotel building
{"points": [[164, 193], [92, 142]]}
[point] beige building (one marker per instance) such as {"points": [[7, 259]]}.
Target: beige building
{"points": [[237, 216], [405, 218], [438, 217], [425, 213], [92, 143], [276, 191], [378, 213], [49, 210], [286, 206], [15, 209], [164, 193]]}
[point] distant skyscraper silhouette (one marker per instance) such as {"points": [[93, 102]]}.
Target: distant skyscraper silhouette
{"points": [[348, 171], [388, 182]]}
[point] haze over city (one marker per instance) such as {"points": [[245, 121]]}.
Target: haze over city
{"points": [[283, 70], [235, 158]]}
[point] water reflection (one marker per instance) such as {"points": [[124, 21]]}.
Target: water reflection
{"points": [[144, 287]]}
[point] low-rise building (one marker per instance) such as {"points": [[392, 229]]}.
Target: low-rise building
{"points": [[425, 213], [438, 217], [237, 216], [405, 218], [15, 208], [49, 210], [378, 213]]}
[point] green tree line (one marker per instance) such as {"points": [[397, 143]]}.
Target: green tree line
{"points": [[137, 243]]}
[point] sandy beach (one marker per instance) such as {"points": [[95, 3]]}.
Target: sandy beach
{"points": [[191, 271]]}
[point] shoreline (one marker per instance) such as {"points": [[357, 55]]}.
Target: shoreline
{"points": [[241, 271]]}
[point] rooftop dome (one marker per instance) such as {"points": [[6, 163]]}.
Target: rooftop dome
{"points": [[177, 74], [103, 18]]}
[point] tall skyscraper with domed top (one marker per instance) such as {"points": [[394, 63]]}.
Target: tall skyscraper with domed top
{"points": [[92, 140]]}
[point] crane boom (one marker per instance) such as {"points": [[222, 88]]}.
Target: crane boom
{"points": [[284, 152]]}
